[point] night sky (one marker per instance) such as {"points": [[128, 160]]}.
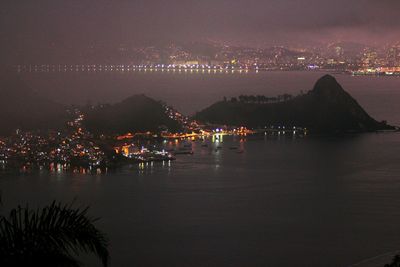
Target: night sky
{"points": [[36, 26]]}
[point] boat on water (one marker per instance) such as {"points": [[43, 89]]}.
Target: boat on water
{"points": [[145, 155], [184, 152], [187, 145]]}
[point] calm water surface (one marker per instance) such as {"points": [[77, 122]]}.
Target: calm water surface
{"points": [[283, 202]]}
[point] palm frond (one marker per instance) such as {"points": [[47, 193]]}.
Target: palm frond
{"points": [[56, 230]]}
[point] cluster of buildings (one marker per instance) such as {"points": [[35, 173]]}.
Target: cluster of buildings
{"points": [[74, 146], [336, 56]]}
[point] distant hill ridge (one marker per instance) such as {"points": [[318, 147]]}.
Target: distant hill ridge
{"points": [[22, 108], [326, 108], [137, 113]]}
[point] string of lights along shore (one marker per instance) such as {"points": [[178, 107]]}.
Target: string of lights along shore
{"points": [[342, 57]]}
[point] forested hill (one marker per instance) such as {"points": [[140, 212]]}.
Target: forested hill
{"points": [[327, 108], [137, 113]]}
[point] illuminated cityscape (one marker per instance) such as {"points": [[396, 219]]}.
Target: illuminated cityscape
{"points": [[75, 147], [355, 59], [200, 133]]}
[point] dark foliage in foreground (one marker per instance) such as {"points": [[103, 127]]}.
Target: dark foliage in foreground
{"points": [[51, 236], [395, 262]]}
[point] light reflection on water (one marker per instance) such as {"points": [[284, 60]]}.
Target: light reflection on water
{"points": [[326, 201]]}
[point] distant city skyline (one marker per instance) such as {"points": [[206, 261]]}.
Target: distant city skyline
{"points": [[67, 28], [211, 56]]}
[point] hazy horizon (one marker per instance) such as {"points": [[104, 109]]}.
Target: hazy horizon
{"points": [[63, 29]]}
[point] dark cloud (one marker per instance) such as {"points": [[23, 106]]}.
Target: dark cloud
{"points": [[74, 23]]}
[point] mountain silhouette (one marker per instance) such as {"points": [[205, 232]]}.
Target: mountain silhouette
{"points": [[137, 113], [22, 108], [327, 108]]}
